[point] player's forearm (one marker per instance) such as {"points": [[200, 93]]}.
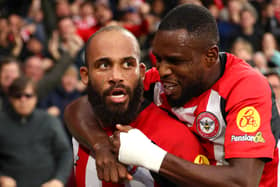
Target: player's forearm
{"points": [[136, 149], [236, 174], [80, 121]]}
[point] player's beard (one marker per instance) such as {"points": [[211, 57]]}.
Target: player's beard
{"points": [[189, 91], [116, 113]]}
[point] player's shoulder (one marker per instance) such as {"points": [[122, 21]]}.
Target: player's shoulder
{"points": [[238, 74]]}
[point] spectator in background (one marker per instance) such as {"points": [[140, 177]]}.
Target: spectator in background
{"points": [[86, 18], [34, 148], [269, 22], [270, 49], [62, 9], [10, 39], [243, 49], [35, 16], [56, 101], [9, 71], [69, 35], [260, 62], [228, 23], [274, 80], [47, 81], [250, 31], [33, 68], [231, 12]]}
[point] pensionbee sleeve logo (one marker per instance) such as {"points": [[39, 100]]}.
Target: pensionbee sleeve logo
{"points": [[201, 159], [248, 119]]}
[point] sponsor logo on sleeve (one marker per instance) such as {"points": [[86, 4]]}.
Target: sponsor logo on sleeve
{"points": [[201, 159], [248, 119], [258, 138]]}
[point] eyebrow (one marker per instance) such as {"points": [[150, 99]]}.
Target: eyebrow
{"points": [[107, 59], [129, 58]]}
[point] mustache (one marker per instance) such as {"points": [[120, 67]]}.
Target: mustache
{"points": [[111, 88]]}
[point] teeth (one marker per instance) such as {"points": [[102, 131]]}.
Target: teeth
{"points": [[169, 87], [117, 96]]}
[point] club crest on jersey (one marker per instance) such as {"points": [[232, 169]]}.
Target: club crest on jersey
{"points": [[207, 125], [248, 119]]}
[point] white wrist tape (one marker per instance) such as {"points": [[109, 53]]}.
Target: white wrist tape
{"points": [[137, 149]]}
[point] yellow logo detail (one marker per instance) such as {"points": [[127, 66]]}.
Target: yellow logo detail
{"points": [[259, 138], [248, 119], [201, 159]]}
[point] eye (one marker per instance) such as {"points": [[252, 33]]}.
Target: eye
{"points": [[127, 64], [103, 65]]}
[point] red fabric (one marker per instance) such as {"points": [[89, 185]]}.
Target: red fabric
{"points": [[138, 30], [83, 155], [219, 4], [243, 90]]}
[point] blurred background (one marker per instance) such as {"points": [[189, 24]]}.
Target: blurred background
{"points": [[44, 39]]}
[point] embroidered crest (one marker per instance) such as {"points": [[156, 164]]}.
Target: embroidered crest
{"points": [[207, 125]]}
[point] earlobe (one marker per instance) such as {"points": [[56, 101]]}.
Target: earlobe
{"points": [[84, 75]]}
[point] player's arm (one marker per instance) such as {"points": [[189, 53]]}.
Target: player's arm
{"points": [[135, 148], [243, 172], [82, 124]]}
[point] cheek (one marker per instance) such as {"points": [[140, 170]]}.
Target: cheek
{"points": [[99, 82], [132, 77]]}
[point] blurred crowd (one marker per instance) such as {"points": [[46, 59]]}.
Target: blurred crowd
{"points": [[44, 40]]}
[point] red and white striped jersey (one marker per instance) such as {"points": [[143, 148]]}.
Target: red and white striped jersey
{"points": [[163, 130], [236, 118]]}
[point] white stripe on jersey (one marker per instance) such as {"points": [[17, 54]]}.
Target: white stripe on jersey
{"points": [[91, 174], [141, 177], [213, 106]]}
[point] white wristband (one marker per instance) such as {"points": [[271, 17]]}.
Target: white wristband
{"points": [[137, 149]]}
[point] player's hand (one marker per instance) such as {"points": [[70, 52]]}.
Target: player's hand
{"points": [[108, 168], [6, 181], [115, 139], [53, 183], [123, 128]]}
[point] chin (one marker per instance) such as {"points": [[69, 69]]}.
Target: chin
{"points": [[117, 107]]}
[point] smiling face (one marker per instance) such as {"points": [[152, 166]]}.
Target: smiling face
{"points": [[113, 75], [184, 66]]}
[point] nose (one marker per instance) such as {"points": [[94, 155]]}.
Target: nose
{"points": [[117, 75], [164, 69]]}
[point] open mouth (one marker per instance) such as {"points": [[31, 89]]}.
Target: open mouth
{"points": [[169, 87], [118, 95]]}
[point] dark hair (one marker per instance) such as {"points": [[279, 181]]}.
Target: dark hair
{"points": [[20, 84], [271, 73], [196, 20], [62, 18], [105, 29], [8, 60]]}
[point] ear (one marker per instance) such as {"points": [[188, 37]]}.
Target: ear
{"points": [[84, 74], [211, 56], [142, 67]]}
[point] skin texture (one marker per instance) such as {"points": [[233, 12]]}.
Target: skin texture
{"points": [[24, 106], [183, 65], [175, 65], [106, 68], [189, 63]]}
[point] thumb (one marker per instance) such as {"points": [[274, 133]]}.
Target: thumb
{"points": [[123, 128], [129, 177]]}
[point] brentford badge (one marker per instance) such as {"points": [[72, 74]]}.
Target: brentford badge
{"points": [[207, 125]]}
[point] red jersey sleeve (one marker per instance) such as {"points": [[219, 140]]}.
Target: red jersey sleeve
{"points": [[249, 117], [169, 134]]}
